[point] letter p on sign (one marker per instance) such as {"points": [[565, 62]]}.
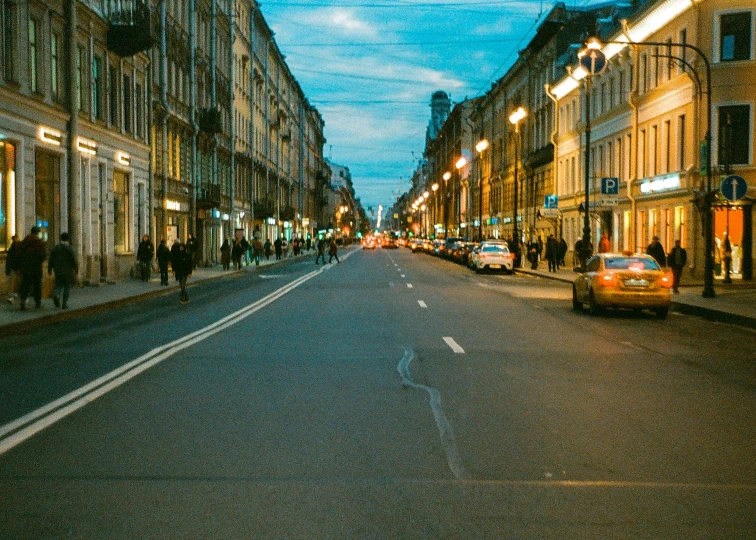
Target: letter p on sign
{"points": [[610, 186]]}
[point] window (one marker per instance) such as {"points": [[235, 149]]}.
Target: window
{"points": [[681, 142], [127, 103], [113, 94], [79, 78], [9, 41], [139, 111], [7, 191], [97, 87], [120, 210], [33, 57], [734, 135], [55, 66], [735, 30]]}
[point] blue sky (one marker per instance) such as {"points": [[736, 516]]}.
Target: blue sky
{"points": [[370, 69]]}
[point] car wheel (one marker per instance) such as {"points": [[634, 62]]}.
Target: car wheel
{"points": [[662, 312], [593, 305], [478, 269], [576, 304]]}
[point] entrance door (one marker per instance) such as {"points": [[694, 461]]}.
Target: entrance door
{"points": [[47, 196], [101, 222]]}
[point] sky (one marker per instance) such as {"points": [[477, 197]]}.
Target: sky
{"points": [[370, 69]]}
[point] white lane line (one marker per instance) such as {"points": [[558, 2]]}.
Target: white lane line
{"points": [[444, 427], [422, 304], [409, 285], [391, 284], [454, 345], [21, 429], [403, 275]]}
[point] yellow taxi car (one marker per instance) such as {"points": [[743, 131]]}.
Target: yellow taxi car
{"points": [[615, 280]]}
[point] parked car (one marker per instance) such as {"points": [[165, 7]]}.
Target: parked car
{"points": [[622, 281], [467, 251], [493, 257], [444, 249]]}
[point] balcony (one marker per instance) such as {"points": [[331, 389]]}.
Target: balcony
{"points": [[131, 30], [208, 196], [210, 121]]}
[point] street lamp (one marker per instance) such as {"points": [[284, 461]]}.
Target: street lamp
{"points": [[446, 177], [459, 165], [434, 188], [515, 118], [480, 147]]}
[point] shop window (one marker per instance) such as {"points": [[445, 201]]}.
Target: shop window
{"points": [[47, 195], [120, 210], [735, 35], [734, 135], [680, 225], [7, 193]]}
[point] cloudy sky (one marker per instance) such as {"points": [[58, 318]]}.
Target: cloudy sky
{"points": [[370, 69]]}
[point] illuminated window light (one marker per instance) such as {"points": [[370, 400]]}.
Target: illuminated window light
{"points": [[49, 136], [122, 158], [85, 146]]}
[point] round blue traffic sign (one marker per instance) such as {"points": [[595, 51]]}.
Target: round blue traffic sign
{"points": [[593, 61], [733, 187]]}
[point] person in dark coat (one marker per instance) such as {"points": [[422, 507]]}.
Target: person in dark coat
{"points": [[321, 251], [163, 258], [278, 245], [552, 255], [13, 267], [182, 267], [533, 254], [267, 249], [64, 264], [145, 254], [236, 254], [175, 253], [257, 250], [562, 252], [32, 255], [226, 254], [656, 250], [676, 260], [333, 251], [191, 249]]}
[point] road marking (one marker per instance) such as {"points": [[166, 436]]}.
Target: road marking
{"points": [[21, 429], [391, 284], [422, 304], [444, 428], [403, 275], [409, 285], [454, 345]]}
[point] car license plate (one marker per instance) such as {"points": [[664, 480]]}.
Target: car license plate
{"points": [[494, 265], [636, 282]]}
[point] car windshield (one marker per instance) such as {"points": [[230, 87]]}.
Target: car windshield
{"points": [[495, 248], [630, 263]]}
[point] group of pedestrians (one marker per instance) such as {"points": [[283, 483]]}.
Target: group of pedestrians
{"points": [[333, 251], [24, 263], [555, 252], [180, 257], [675, 260]]}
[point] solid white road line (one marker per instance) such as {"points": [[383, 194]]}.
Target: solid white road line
{"points": [[422, 304], [454, 345], [21, 429]]}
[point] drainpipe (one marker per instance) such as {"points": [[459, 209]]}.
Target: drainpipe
{"points": [[74, 158], [165, 106], [252, 93], [555, 143], [632, 163], [193, 119], [215, 181], [232, 126]]}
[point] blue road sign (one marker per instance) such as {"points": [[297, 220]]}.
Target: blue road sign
{"points": [[734, 187], [551, 201], [594, 61], [610, 186]]}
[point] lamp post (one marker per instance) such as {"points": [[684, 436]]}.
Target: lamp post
{"points": [[446, 177], [434, 188], [480, 147], [515, 118], [459, 165]]}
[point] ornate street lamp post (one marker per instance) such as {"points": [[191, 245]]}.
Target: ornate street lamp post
{"points": [[515, 118], [480, 147]]}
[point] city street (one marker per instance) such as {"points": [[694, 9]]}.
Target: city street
{"points": [[393, 395]]}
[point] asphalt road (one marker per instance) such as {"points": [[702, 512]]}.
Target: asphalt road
{"points": [[393, 395]]}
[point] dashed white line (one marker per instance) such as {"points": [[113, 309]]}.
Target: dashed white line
{"points": [[403, 275], [409, 285], [422, 304], [454, 345]]}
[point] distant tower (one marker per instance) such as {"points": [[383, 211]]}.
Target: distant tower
{"points": [[440, 107]]}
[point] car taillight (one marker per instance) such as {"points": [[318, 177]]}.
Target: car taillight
{"points": [[607, 280], [666, 280]]}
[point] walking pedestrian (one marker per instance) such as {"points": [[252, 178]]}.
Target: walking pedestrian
{"points": [[66, 268], [32, 255], [677, 259], [278, 245], [191, 249], [552, 256], [267, 249], [13, 267], [562, 251], [245, 250], [225, 254], [656, 250], [163, 258], [308, 244], [175, 253], [533, 254], [182, 268], [145, 254], [257, 250], [604, 245], [236, 254], [333, 251], [321, 250]]}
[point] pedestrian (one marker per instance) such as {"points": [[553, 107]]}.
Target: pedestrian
{"points": [[225, 254], [163, 258], [578, 253], [333, 251], [257, 250], [267, 249], [182, 269], [656, 250], [677, 259], [727, 256], [604, 245], [285, 248], [562, 251], [278, 245], [13, 267], [321, 250], [236, 254], [66, 268], [552, 256], [295, 246], [145, 254], [191, 249], [32, 255], [175, 253], [533, 254], [245, 250], [308, 244]]}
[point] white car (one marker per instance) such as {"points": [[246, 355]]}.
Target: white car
{"points": [[493, 257]]}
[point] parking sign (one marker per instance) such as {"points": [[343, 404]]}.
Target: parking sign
{"points": [[551, 201], [610, 186]]}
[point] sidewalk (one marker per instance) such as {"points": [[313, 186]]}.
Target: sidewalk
{"points": [[96, 298], [734, 303]]}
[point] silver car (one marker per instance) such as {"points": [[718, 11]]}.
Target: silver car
{"points": [[493, 257]]}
